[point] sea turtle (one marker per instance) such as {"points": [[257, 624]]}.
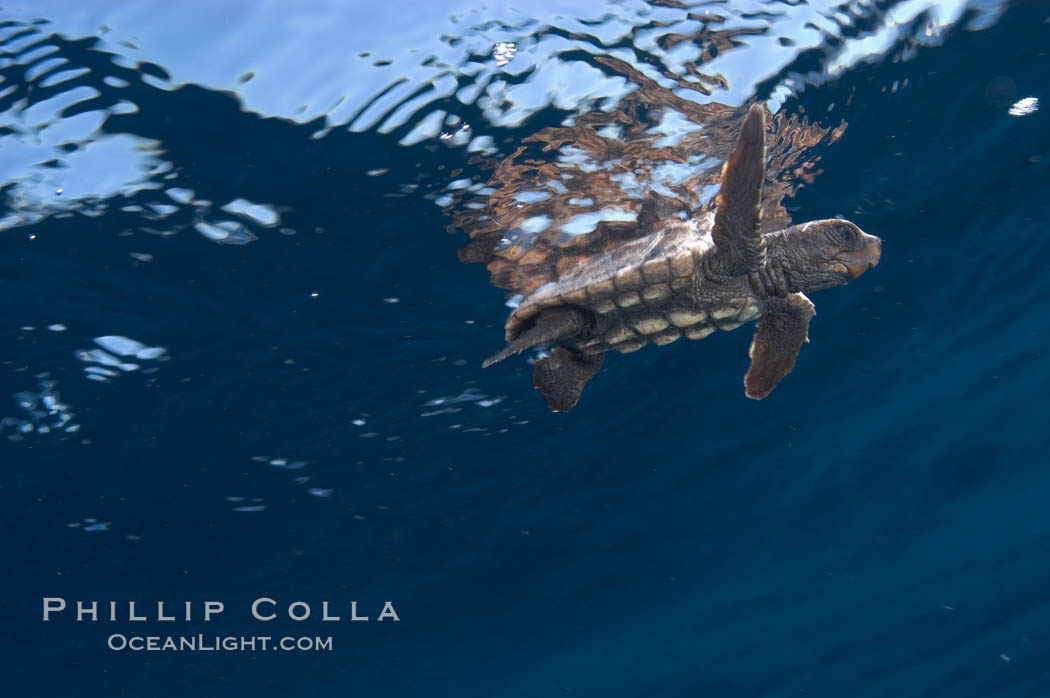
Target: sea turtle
{"points": [[688, 278]]}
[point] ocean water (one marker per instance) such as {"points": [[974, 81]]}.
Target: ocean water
{"points": [[239, 358]]}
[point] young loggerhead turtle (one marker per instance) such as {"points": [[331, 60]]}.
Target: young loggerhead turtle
{"points": [[689, 278]]}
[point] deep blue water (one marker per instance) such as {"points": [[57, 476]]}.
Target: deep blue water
{"points": [[878, 526]]}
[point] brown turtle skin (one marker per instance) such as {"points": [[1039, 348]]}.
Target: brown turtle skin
{"points": [[689, 278], [668, 285]]}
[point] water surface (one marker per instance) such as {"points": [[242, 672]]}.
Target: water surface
{"points": [[239, 357]]}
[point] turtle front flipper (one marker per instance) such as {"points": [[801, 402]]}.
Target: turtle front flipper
{"points": [[736, 230], [781, 331], [561, 376]]}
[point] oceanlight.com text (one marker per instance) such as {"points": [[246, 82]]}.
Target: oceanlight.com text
{"points": [[216, 643]]}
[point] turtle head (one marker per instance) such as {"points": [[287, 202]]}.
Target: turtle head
{"points": [[822, 254]]}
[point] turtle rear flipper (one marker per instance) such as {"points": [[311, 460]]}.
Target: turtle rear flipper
{"points": [[552, 325], [561, 376], [783, 328]]}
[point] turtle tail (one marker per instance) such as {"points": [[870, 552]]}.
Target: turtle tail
{"points": [[552, 325]]}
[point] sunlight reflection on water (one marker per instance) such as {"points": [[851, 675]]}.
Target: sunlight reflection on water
{"points": [[71, 90], [84, 129], [498, 60]]}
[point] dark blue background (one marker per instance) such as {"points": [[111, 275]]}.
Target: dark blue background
{"points": [[879, 526]]}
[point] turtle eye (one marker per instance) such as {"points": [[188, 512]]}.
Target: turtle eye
{"points": [[846, 233]]}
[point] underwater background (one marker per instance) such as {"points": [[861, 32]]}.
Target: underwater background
{"points": [[240, 359]]}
